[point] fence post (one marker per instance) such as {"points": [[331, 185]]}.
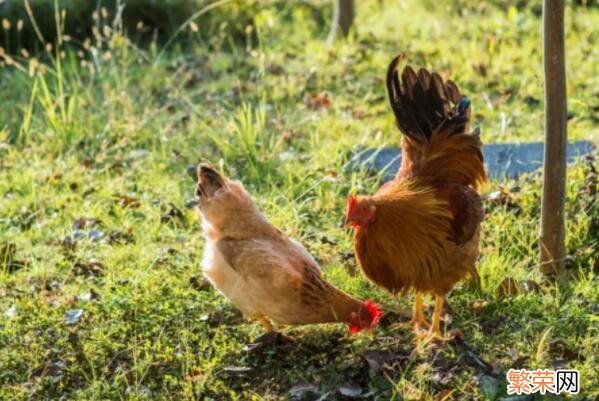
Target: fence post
{"points": [[551, 242]]}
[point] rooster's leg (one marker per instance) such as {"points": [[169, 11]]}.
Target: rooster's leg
{"points": [[266, 324], [434, 333], [418, 317], [436, 327], [417, 320]]}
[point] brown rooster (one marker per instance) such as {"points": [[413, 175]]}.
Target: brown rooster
{"points": [[422, 229], [265, 274]]}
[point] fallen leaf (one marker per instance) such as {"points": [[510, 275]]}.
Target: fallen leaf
{"points": [[531, 101], [138, 153], [476, 361], [377, 360], [199, 283], [481, 68], [173, 213], [92, 268], [516, 361], [327, 241], [289, 134], [359, 114], [301, 389], [48, 299], [195, 375], [12, 311], [478, 306], [127, 202], [238, 370], [350, 389], [95, 235], [318, 101], [120, 237], [85, 223], [91, 295], [275, 69], [508, 287], [68, 243], [489, 386], [444, 395], [457, 335], [558, 347], [502, 198], [88, 192], [191, 203], [271, 339], [73, 316], [531, 286]]}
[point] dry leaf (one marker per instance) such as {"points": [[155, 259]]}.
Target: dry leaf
{"points": [[128, 202], [444, 395], [318, 101], [85, 223], [508, 287], [478, 306], [350, 389], [531, 286]]}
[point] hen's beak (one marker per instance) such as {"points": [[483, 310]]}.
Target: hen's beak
{"points": [[348, 222]]}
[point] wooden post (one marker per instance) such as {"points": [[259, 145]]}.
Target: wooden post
{"points": [[551, 243], [345, 11]]}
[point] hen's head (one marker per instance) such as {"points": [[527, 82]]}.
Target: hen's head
{"points": [[360, 211], [224, 204], [217, 196], [367, 317], [209, 182]]}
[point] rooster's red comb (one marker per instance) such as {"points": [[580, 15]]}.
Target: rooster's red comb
{"points": [[351, 202]]}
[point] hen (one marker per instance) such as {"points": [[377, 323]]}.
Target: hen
{"points": [[265, 274], [421, 230]]}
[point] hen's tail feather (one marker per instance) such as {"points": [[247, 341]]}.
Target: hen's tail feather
{"points": [[424, 105]]}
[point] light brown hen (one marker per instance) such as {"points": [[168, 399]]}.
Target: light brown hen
{"points": [[264, 273]]}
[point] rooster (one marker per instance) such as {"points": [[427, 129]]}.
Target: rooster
{"points": [[421, 230], [265, 274]]}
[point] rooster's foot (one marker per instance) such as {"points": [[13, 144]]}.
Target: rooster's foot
{"points": [[430, 337], [266, 325], [416, 324]]}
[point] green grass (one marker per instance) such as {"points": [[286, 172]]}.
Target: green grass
{"points": [[112, 138]]}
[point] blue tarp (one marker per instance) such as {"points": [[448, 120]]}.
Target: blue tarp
{"points": [[503, 160]]}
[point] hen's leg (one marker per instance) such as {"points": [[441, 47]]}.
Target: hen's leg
{"points": [[266, 325]]}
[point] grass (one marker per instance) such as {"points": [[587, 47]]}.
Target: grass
{"points": [[94, 213]]}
